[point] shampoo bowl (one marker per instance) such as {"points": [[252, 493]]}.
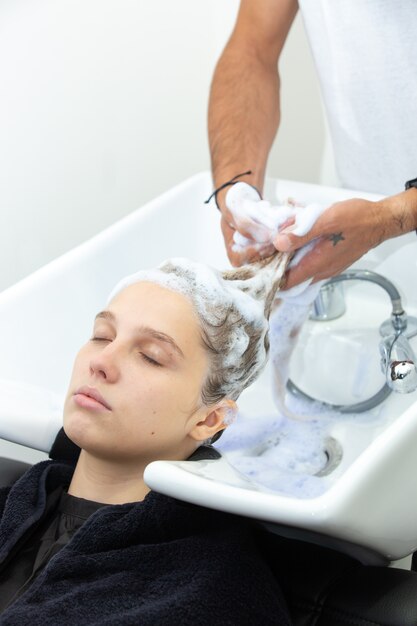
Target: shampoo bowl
{"points": [[368, 503]]}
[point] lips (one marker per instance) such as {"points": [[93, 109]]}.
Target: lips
{"points": [[91, 393]]}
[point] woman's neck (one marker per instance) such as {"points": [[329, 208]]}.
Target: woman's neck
{"points": [[106, 481]]}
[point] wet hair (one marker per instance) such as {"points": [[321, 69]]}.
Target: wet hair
{"points": [[216, 335], [233, 308], [220, 326]]}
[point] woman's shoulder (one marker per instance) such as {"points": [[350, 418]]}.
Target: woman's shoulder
{"points": [[41, 477]]}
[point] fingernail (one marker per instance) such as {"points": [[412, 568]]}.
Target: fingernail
{"points": [[282, 243], [287, 230]]}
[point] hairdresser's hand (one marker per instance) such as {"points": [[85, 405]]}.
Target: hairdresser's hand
{"points": [[343, 233], [246, 231]]}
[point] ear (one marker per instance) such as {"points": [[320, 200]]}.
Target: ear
{"points": [[217, 417]]}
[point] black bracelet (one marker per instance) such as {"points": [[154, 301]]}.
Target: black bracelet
{"points": [[409, 185], [230, 182]]}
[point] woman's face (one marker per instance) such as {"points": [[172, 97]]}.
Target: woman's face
{"points": [[136, 384]]}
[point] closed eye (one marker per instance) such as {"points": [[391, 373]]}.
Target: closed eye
{"points": [[149, 360], [100, 339]]}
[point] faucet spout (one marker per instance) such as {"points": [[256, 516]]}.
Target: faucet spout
{"points": [[398, 363]]}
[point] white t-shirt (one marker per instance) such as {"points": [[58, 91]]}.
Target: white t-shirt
{"points": [[366, 56]]}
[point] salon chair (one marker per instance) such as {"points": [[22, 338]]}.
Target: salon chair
{"points": [[322, 586]]}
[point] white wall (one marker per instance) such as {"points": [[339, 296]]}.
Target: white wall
{"points": [[103, 107]]}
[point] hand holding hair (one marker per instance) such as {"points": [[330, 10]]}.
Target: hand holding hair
{"points": [[250, 224], [343, 234]]}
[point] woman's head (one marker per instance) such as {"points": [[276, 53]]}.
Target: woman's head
{"points": [[233, 310], [168, 357]]}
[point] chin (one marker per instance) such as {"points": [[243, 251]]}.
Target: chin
{"points": [[80, 428], [85, 434], [75, 434], [86, 441]]}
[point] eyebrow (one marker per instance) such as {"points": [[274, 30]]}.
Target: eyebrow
{"points": [[152, 332]]}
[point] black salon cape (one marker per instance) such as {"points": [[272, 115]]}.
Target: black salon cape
{"points": [[157, 562]]}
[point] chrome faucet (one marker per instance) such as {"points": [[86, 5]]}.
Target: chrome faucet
{"points": [[398, 362]]}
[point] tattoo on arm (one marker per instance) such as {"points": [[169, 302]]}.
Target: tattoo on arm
{"points": [[335, 238]]}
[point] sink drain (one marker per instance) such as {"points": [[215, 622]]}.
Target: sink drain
{"points": [[330, 451], [334, 454]]}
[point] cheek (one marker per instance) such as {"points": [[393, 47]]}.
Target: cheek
{"points": [[184, 394], [79, 369], [81, 362], [152, 402], [147, 395]]}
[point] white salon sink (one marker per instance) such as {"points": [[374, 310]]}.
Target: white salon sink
{"points": [[370, 497]]}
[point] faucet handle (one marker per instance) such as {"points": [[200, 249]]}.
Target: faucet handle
{"points": [[403, 376], [398, 363]]}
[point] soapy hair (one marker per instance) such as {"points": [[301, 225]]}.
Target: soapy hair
{"points": [[233, 308], [231, 373]]}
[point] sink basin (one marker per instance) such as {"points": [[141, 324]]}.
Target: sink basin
{"points": [[347, 478]]}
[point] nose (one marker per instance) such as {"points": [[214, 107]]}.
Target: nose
{"points": [[105, 364]]}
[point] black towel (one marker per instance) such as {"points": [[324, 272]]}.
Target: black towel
{"points": [[152, 563]]}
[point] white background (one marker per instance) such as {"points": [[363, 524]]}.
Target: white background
{"points": [[103, 106]]}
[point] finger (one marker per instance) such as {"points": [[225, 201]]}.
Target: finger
{"points": [[250, 254], [249, 248], [315, 264], [245, 226], [287, 241], [288, 222], [317, 267], [236, 257], [256, 220], [239, 255], [227, 217]]}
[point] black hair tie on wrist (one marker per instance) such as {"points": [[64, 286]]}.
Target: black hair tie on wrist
{"points": [[230, 182], [408, 185]]}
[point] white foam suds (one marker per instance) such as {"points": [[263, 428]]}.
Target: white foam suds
{"points": [[260, 221], [306, 218], [283, 454], [278, 452], [202, 284]]}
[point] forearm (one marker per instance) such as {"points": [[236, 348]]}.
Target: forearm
{"points": [[398, 214], [243, 115]]}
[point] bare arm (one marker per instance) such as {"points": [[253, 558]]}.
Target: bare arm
{"points": [[244, 114]]}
